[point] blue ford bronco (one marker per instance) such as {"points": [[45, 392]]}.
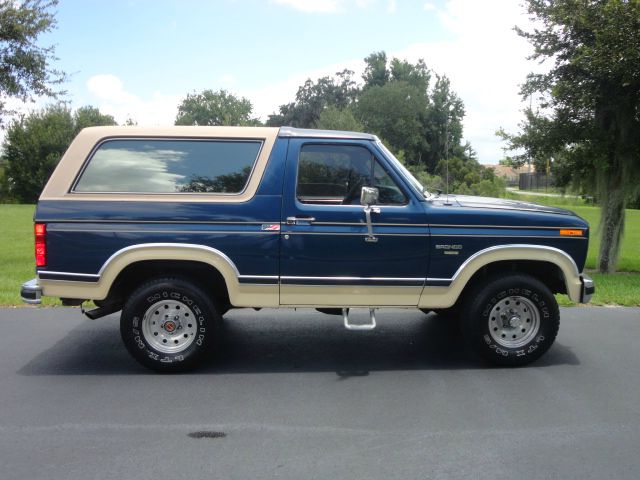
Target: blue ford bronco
{"points": [[175, 226]]}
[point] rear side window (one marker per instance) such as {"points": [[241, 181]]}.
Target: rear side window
{"points": [[169, 166]]}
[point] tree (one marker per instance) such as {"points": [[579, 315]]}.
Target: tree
{"points": [[395, 111], [25, 69], [420, 122], [442, 125], [313, 97], [34, 145], [211, 108], [332, 118], [589, 117], [91, 117], [376, 73]]}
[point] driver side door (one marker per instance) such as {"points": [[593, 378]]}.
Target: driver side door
{"points": [[327, 256]]}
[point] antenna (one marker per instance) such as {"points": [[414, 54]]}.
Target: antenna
{"points": [[446, 153]]}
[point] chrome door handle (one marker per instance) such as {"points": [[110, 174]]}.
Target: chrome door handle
{"points": [[297, 220]]}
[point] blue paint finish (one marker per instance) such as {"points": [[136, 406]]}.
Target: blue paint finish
{"points": [[253, 253], [334, 245], [272, 177], [471, 229], [426, 238], [82, 235]]}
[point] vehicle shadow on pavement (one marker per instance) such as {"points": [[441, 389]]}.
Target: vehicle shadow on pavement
{"points": [[289, 341]]}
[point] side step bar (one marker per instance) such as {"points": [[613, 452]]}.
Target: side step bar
{"points": [[102, 311], [359, 326]]}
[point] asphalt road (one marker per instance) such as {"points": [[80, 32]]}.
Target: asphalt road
{"points": [[294, 395]]}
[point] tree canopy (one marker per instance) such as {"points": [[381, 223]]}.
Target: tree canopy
{"points": [[25, 67], [211, 108], [413, 109], [34, 145], [588, 120]]}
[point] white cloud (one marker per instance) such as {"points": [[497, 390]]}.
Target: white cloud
{"points": [[486, 63], [392, 6], [227, 80], [111, 98], [329, 6], [428, 7], [311, 6]]}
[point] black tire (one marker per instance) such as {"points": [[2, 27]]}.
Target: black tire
{"points": [[157, 328], [510, 320]]}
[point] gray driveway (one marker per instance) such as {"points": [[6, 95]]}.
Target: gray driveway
{"points": [[294, 395]]}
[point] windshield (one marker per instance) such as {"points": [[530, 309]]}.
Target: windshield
{"points": [[403, 170]]}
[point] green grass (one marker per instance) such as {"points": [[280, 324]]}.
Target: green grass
{"points": [[629, 260], [613, 289], [17, 262], [17, 259]]}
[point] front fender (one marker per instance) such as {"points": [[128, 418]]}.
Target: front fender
{"points": [[445, 297]]}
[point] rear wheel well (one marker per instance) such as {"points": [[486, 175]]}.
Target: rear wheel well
{"points": [[207, 277]]}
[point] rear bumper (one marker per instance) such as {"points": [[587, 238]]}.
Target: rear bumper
{"points": [[588, 288], [31, 292]]}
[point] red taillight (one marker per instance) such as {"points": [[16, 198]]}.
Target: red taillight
{"points": [[40, 230]]}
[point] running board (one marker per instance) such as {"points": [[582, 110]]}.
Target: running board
{"points": [[359, 326]]}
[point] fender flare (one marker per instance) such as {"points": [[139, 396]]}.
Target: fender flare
{"points": [[121, 259], [444, 297]]}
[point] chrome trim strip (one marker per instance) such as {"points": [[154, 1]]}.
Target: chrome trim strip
{"points": [[412, 279], [359, 224], [68, 274], [507, 227], [353, 281], [173, 222], [258, 279], [357, 234], [208, 232], [476, 235]]}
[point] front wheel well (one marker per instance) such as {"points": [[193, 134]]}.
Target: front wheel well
{"points": [[546, 272], [207, 277]]}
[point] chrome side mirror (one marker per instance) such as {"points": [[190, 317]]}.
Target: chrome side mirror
{"points": [[369, 196]]}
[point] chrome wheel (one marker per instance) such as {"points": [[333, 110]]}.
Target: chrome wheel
{"points": [[514, 322], [169, 326]]}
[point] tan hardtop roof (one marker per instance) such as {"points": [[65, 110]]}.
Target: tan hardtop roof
{"points": [[179, 131], [200, 131]]}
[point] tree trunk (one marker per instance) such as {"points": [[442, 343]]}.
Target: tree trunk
{"points": [[618, 119], [611, 220]]}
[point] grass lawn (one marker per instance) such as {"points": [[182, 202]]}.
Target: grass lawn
{"points": [[17, 258], [17, 263], [629, 260]]}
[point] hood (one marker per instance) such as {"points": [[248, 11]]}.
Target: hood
{"points": [[499, 204]]}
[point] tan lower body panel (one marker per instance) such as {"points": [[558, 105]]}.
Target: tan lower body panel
{"points": [[349, 296], [241, 295]]}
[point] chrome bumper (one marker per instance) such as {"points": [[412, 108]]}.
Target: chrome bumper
{"points": [[31, 292], [588, 288]]}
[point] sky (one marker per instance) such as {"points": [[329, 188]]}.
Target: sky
{"points": [[139, 58]]}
